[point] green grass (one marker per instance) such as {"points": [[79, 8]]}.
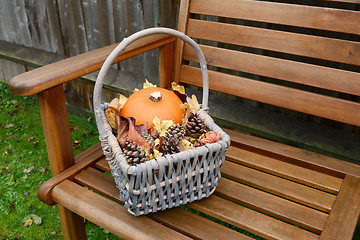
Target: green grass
{"points": [[24, 167]]}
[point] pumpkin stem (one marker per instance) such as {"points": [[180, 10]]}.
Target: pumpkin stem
{"points": [[155, 96]]}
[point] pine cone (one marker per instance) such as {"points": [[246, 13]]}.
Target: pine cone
{"points": [[135, 154], [172, 141], [175, 131], [194, 126], [149, 139], [171, 145]]}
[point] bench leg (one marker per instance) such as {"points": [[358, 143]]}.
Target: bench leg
{"points": [[73, 226]]}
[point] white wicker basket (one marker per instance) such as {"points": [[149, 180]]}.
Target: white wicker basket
{"points": [[167, 181]]}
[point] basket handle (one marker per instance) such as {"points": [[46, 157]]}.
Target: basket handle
{"points": [[126, 42]]}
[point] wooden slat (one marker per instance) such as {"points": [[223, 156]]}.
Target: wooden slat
{"points": [[185, 222], [294, 99], [289, 171], [312, 75], [294, 43], [195, 226], [279, 186], [86, 158], [274, 206], [294, 155], [110, 215], [103, 165], [68, 69], [179, 45], [287, 14], [345, 213], [250, 220], [166, 60]]}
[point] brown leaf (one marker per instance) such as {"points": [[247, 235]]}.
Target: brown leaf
{"points": [[31, 208], [72, 130], [9, 152], [210, 137], [139, 128], [13, 135], [28, 170], [9, 125], [122, 130], [134, 136], [30, 138], [179, 91], [11, 207], [89, 119]]}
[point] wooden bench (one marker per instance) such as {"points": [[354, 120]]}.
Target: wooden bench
{"points": [[268, 189]]}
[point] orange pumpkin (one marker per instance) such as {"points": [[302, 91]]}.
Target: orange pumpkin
{"points": [[144, 105]]}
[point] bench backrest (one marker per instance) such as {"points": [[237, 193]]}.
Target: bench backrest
{"points": [[294, 56]]}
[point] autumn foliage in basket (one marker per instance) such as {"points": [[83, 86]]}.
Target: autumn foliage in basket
{"points": [[154, 122]]}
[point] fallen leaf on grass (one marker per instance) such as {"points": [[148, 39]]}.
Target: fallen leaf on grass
{"points": [[11, 207], [32, 218], [9, 152], [89, 119], [13, 135], [27, 222], [9, 125], [31, 208], [26, 193], [28, 170], [43, 169], [30, 138]]}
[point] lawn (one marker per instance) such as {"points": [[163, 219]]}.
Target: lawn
{"points": [[24, 167]]}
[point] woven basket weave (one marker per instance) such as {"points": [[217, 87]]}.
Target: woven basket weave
{"points": [[167, 181]]}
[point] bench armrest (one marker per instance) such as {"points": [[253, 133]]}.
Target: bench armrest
{"points": [[57, 73]]}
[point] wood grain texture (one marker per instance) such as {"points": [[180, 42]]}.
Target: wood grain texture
{"points": [[274, 206], [166, 62], [72, 225], [294, 43], [86, 158], [182, 25], [182, 221], [302, 73], [280, 13], [65, 70], [285, 170], [345, 213], [310, 160], [290, 98], [250, 220], [56, 129], [281, 187], [110, 215]]}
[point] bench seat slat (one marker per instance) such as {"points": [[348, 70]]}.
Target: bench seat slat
{"points": [[302, 73], [274, 206], [287, 14], [294, 155], [289, 171], [183, 221], [250, 220], [279, 186], [286, 42], [108, 214], [307, 102]]}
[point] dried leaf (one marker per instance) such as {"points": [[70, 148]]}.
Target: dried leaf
{"points": [[43, 169], [139, 128], [210, 137], [187, 144], [162, 126], [114, 109], [36, 218], [147, 84], [134, 136], [27, 222], [155, 154], [111, 115], [122, 130], [30, 138], [26, 193], [9, 125], [192, 107], [31, 208], [28, 170], [13, 135], [9, 151], [89, 119], [11, 207], [179, 91]]}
